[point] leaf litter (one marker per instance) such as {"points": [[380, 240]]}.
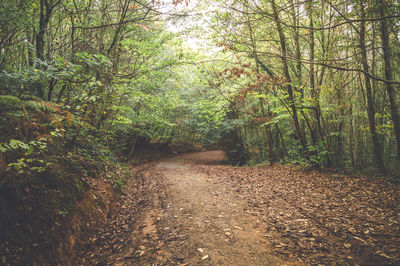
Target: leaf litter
{"points": [[308, 216], [319, 218]]}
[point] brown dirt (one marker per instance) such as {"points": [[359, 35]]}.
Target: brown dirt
{"points": [[188, 210], [189, 219]]}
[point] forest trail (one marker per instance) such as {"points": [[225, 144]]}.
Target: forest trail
{"points": [[205, 220], [192, 210], [193, 220]]}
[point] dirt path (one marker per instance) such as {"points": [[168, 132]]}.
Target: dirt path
{"points": [[205, 218], [190, 210], [194, 220]]}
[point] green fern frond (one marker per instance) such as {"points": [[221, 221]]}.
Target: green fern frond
{"points": [[41, 113], [39, 106], [27, 97], [8, 102]]}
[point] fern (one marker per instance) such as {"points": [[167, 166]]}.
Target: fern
{"points": [[27, 97], [8, 103], [37, 118], [40, 106]]}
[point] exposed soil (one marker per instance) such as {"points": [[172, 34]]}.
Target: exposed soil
{"points": [[188, 210]]}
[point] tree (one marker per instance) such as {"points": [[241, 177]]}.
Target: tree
{"points": [[377, 148], [387, 58]]}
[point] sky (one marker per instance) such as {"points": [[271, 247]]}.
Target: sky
{"points": [[196, 18]]}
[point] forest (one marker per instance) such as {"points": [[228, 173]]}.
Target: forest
{"points": [[95, 93]]}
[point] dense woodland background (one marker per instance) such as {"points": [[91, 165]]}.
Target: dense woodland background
{"points": [[313, 83]]}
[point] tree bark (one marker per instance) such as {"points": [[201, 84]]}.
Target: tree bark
{"points": [[314, 90], [387, 57], [46, 8], [282, 39], [266, 130], [376, 146], [296, 40]]}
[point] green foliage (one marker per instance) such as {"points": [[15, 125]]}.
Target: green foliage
{"points": [[9, 103], [26, 166], [319, 156], [28, 163], [113, 78]]}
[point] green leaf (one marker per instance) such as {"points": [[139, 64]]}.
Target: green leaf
{"points": [[30, 150]]}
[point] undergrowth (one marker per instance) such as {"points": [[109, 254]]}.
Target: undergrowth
{"points": [[47, 156]]}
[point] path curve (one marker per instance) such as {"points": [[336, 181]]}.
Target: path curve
{"points": [[195, 220]]}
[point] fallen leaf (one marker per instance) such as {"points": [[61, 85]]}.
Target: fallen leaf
{"points": [[383, 254], [362, 240]]}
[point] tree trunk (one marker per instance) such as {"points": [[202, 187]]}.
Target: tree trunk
{"points": [[267, 134], [376, 146], [282, 39], [314, 90], [387, 57], [46, 7], [52, 84], [45, 13], [296, 40], [266, 131]]}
